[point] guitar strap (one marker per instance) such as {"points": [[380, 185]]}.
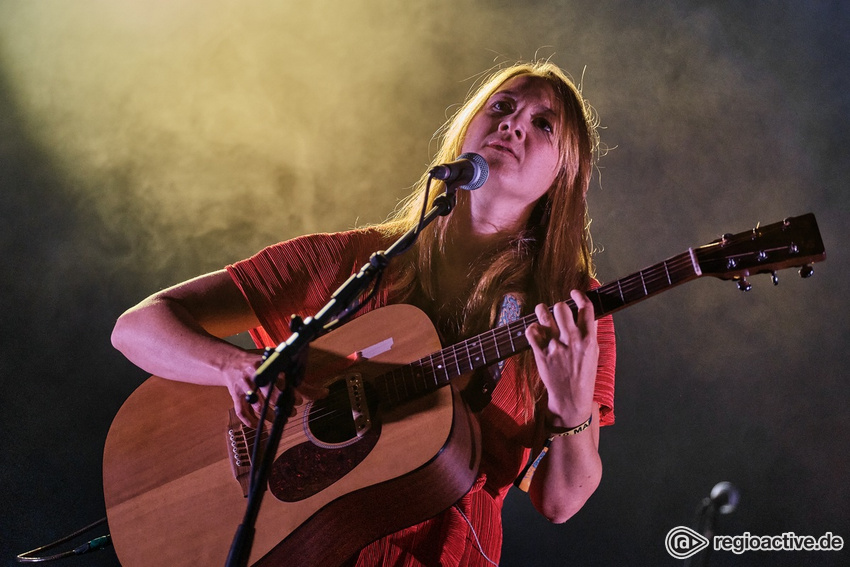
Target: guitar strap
{"points": [[479, 390]]}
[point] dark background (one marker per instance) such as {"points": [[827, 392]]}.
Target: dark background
{"points": [[142, 145]]}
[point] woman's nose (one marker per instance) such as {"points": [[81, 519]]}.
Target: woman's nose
{"points": [[512, 127]]}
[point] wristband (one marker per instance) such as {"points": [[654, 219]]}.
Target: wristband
{"points": [[523, 481], [564, 431]]}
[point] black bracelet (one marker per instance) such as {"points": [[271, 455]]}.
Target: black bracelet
{"points": [[564, 432]]}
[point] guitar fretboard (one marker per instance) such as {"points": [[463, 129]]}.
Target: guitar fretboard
{"points": [[438, 369]]}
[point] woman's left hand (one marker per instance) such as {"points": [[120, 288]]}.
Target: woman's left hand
{"points": [[566, 353]]}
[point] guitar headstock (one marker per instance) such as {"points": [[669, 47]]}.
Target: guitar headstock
{"points": [[792, 243]]}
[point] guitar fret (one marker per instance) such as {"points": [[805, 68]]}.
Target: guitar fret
{"points": [[694, 262], [433, 369], [401, 385], [425, 375], [484, 360], [510, 337], [404, 384], [417, 381], [386, 387], [412, 381], [428, 378], [383, 387], [478, 360], [730, 255], [519, 328], [451, 363], [505, 342], [523, 342], [442, 366], [418, 378], [657, 283], [682, 266], [399, 382], [395, 396], [632, 292], [508, 345], [485, 345], [608, 299]]}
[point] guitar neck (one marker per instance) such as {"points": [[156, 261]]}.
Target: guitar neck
{"points": [[438, 369]]}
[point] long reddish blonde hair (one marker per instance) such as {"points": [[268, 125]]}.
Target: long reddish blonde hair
{"points": [[543, 262]]}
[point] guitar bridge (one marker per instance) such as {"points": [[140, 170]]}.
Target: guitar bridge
{"points": [[237, 450]]}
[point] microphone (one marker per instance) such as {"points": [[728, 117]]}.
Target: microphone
{"points": [[723, 500], [724, 497], [469, 171]]}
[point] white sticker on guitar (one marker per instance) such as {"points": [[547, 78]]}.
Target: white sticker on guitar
{"points": [[376, 349]]}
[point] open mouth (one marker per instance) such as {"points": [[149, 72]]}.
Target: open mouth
{"points": [[502, 148]]}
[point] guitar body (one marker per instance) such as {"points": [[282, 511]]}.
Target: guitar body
{"points": [[172, 491]]}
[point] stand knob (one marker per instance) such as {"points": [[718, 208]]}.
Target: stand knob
{"points": [[295, 323]]}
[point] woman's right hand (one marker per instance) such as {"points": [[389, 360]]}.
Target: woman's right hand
{"points": [[240, 382], [243, 382], [177, 334]]}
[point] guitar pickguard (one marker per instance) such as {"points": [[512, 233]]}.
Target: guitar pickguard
{"points": [[341, 433], [307, 469]]}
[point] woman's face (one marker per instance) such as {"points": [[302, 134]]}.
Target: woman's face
{"points": [[516, 131]]}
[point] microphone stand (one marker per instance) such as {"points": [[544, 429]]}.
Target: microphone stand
{"points": [[289, 358], [722, 500]]}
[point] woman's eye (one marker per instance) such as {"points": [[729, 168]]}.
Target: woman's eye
{"points": [[544, 125], [501, 106]]}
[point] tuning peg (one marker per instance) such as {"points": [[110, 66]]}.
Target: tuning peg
{"points": [[806, 271], [774, 277], [295, 323], [744, 285]]}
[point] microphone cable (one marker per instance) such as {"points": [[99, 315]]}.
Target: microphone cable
{"points": [[92, 545]]}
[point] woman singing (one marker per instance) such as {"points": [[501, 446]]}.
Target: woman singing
{"points": [[517, 244]]}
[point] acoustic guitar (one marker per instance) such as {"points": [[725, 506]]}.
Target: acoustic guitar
{"points": [[387, 448]]}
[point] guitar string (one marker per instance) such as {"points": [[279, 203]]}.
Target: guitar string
{"points": [[504, 335], [457, 360], [641, 282], [647, 278]]}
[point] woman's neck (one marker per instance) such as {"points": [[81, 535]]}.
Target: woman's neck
{"points": [[468, 246], [478, 227]]}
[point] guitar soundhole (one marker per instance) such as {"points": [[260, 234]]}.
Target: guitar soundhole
{"points": [[334, 450], [330, 419]]}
